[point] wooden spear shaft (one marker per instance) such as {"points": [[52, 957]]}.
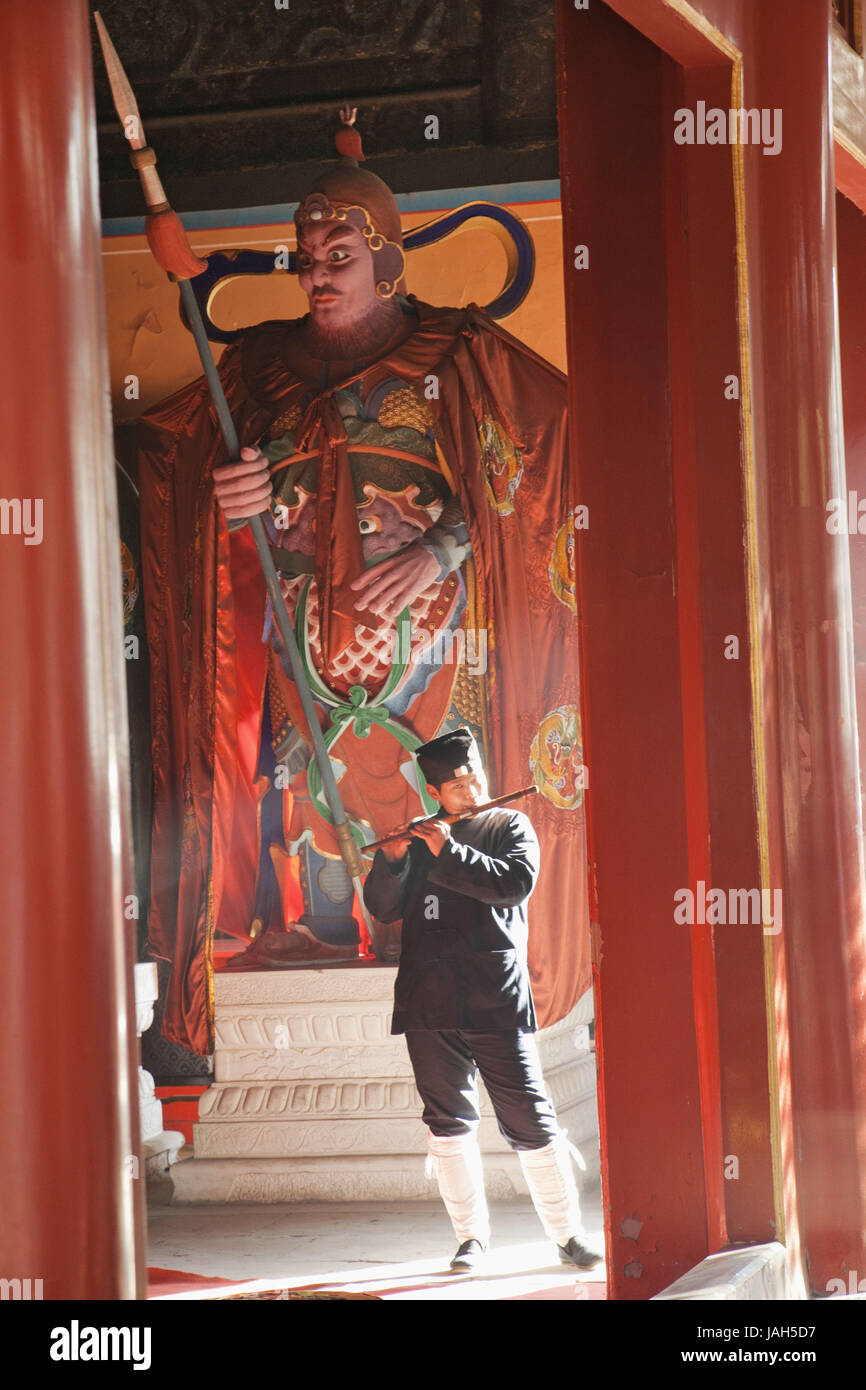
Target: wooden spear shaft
{"points": [[168, 242]]}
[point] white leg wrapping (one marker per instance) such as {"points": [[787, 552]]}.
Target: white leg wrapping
{"points": [[460, 1173], [550, 1179]]}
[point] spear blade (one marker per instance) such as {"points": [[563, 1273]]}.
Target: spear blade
{"points": [[164, 229], [122, 94]]}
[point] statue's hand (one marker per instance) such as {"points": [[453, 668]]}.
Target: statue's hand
{"points": [[390, 586], [243, 489]]}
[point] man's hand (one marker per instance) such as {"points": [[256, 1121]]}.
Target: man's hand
{"points": [[243, 489], [390, 586], [434, 833], [396, 850]]}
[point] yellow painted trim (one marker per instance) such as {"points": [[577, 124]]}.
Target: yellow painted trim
{"points": [[756, 671]]}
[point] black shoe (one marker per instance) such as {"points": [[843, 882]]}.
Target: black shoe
{"points": [[573, 1253], [470, 1255]]}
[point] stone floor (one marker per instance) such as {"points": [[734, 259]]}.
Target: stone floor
{"points": [[400, 1251]]}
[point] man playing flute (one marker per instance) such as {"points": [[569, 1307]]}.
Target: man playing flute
{"points": [[463, 1000]]}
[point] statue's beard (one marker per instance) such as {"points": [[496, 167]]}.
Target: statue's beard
{"points": [[362, 338]]}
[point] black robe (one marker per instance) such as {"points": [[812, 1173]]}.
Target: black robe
{"points": [[463, 960]]}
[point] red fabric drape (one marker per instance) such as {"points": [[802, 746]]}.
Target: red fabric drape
{"points": [[204, 602]]}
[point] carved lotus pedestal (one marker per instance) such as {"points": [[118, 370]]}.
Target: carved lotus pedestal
{"points": [[313, 1099]]}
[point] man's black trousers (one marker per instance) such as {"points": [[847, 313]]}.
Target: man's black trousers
{"points": [[446, 1066]]}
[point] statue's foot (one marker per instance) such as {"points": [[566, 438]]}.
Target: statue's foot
{"points": [[294, 946]]}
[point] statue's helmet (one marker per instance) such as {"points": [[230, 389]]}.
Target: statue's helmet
{"points": [[347, 193]]}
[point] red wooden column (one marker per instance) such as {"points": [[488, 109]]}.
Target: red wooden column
{"points": [[613, 158], [805, 598], [72, 1205]]}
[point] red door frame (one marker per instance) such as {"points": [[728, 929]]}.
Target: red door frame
{"points": [[742, 1046]]}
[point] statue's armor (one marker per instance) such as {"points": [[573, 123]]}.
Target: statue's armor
{"points": [[401, 496], [402, 499]]}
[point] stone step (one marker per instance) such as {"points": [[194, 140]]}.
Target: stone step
{"points": [[310, 1080], [380, 1132], [379, 1178]]}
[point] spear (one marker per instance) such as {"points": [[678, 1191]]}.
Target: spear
{"points": [[167, 240]]}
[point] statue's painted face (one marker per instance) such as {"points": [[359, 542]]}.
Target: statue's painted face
{"points": [[335, 271]]}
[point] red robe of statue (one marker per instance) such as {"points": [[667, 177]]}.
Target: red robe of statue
{"points": [[500, 417]]}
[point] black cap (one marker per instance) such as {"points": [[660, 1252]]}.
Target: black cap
{"points": [[449, 756]]}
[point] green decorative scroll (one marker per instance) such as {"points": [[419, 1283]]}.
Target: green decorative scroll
{"points": [[357, 711]]}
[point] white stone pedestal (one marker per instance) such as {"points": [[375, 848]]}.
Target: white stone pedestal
{"points": [[160, 1147], [314, 1099]]}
